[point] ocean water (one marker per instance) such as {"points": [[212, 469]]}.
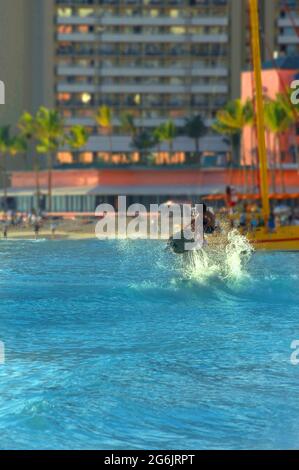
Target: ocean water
{"points": [[120, 345]]}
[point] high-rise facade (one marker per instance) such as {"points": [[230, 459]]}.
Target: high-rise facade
{"points": [[287, 28], [157, 59]]}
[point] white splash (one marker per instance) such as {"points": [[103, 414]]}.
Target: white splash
{"points": [[225, 259]]}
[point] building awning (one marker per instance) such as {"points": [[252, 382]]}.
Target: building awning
{"points": [[64, 191], [73, 191], [19, 192], [186, 190]]}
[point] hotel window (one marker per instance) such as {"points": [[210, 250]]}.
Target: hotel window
{"points": [[65, 157], [178, 30], [64, 12], [64, 29], [174, 13], [85, 12], [86, 157], [84, 29], [63, 97], [85, 113], [154, 13]]}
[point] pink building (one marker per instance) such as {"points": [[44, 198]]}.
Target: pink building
{"points": [[277, 78], [81, 190]]}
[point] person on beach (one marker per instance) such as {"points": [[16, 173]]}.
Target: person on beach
{"points": [[5, 231], [36, 229], [272, 223], [53, 229]]}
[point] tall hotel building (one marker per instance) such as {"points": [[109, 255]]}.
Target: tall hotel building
{"points": [[157, 59]]}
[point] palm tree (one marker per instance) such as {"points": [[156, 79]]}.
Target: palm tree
{"points": [[9, 145], [166, 132], [4, 148], [277, 121], [17, 145], [127, 125], [49, 128], [231, 122], [158, 137], [104, 119], [143, 142], [293, 113], [27, 127], [195, 129], [76, 139]]}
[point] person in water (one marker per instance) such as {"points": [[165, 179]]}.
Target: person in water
{"points": [[209, 221], [209, 226]]}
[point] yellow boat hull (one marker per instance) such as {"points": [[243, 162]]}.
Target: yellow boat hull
{"points": [[283, 239]]}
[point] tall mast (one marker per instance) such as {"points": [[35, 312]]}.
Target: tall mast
{"points": [[261, 130]]}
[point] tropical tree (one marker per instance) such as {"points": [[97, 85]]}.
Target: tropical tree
{"points": [[127, 125], [231, 122], [143, 142], [277, 121], [158, 137], [293, 112], [9, 145], [27, 127], [166, 132], [195, 129], [17, 145], [104, 119], [49, 128], [4, 147], [77, 139]]}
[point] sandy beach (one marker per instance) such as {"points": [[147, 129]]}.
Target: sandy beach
{"points": [[71, 230], [68, 229]]}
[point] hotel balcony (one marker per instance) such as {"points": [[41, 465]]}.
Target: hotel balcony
{"points": [[288, 39], [136, 88], [288, 22], [144, 38], [77, 20], [146, 122], [141, 71], [142, 21], [122, 144]]}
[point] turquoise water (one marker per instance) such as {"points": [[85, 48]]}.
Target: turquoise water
{"points": [[111, 345]]}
